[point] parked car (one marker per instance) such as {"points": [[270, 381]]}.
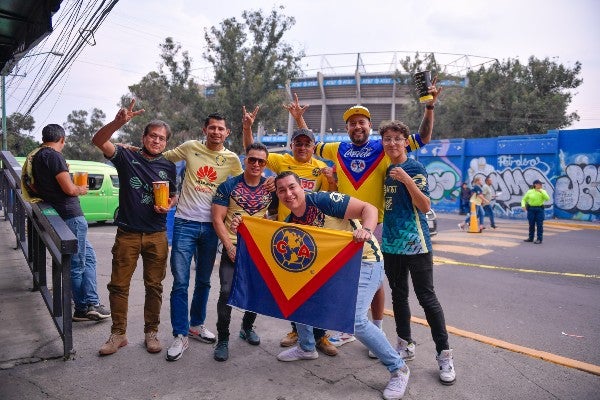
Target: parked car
{"points": [[432, 222], [101, 203]]}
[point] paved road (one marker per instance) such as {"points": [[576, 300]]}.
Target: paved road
{"points": [[31, 366]]}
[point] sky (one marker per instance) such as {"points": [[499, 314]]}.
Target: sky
{"points": [[127, 43]]}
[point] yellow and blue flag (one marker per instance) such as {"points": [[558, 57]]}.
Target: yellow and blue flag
{"points": [[297, 272]]}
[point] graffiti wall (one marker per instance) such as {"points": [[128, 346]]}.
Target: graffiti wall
{"points": [[567, 162]]}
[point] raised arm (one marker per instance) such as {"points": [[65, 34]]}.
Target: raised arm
{"points": [[297, 112], [247, 122], [102, 138], [426, 127]]}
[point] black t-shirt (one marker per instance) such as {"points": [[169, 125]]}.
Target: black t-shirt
{"points": [[136, 196], [48, 163]]}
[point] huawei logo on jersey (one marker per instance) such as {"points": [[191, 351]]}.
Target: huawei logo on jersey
{"points": [[206, 174]]}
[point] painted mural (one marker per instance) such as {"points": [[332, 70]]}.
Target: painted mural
{"points": [[567, 162]]}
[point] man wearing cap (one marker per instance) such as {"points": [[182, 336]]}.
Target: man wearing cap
{"points": [[361, 165], [315, 176], [533, 203]]}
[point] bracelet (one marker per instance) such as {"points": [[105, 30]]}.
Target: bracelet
{"points": [[368, 230], [429, 107]]}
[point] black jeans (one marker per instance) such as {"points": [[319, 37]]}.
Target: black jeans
{"points": [[420, 266], [226, 269]]}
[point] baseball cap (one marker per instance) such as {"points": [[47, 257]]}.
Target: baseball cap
{"points": [[303, 132], [537, 181], [356, 110]]}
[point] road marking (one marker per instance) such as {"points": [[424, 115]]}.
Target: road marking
{"points": [[439, 260], [480, 240], [554, 358], [470, 251]]}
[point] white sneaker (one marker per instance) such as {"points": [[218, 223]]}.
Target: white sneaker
{"points": [[397, 385], [296, 353], [406, 350], [202, 334], [341, 338], [177, 348], [446, 364]]}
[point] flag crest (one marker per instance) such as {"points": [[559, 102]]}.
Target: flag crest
{"points": [[297, 272]]}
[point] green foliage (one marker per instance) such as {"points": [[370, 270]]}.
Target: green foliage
{"points": [[79, 133], [169, 94], [509, 98], [252, 64], [19, 140]]}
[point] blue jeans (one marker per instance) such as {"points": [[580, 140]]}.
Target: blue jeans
{"points": [[489, 211], [198, 240], [83, 266], [371, 277]]}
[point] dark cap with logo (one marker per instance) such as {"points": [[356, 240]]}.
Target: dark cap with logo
{"points": [[303, 132], [537, 181]]}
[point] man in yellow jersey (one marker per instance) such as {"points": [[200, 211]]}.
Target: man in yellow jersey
{"points": [[361, 166], [314, 176]]}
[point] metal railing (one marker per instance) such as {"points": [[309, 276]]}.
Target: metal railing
{"points": [[39, 230]]}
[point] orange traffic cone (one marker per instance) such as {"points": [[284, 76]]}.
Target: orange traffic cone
{"points": [[473, 222]]}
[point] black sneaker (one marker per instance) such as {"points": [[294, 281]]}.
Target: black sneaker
{"points": [[537, 242], [80, 315], [250, 336], [221, 350], [528, 240], [97, 313]]}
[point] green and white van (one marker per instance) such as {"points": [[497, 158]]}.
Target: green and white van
{"points": [[101, 203]]}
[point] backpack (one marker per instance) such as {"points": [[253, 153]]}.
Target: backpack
{"points": [[28, 189]]}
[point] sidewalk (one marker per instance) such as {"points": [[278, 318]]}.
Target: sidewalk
{"points": [[31, 365]]}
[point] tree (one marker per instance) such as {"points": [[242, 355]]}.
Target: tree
{"points": [[20, 143], [510, 98], [79, 132], [169, 94], [252, 64]]}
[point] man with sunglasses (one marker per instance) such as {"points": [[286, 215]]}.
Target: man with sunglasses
{"points": [[315, 176], [241, 195]]}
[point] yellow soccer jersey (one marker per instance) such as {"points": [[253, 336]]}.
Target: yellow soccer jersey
{"points": [[311, 178], [361, 169], [205, 170]]}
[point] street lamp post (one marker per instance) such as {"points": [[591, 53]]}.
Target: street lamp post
{"points": [[3, 81]]}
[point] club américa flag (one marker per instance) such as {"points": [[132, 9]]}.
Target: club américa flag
{"points": [[297, 272]]}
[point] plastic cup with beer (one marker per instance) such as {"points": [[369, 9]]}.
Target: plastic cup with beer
{"points": [[80, 178], [161, 193], [422, 82]]}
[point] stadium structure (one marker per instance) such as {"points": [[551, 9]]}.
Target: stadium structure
{"points": [[375, 80]]}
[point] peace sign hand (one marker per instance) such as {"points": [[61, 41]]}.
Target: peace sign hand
{"points": [[126, 114]]}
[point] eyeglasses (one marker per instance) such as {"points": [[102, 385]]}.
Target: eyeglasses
{"points": [[301, 144], [389, 140], [253, 160], [156, 137]]}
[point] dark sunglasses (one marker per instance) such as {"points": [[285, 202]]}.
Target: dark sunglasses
{"points": [[253, 160]]}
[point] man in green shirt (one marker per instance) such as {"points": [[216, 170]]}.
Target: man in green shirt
{"points": [[533, 202]]}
